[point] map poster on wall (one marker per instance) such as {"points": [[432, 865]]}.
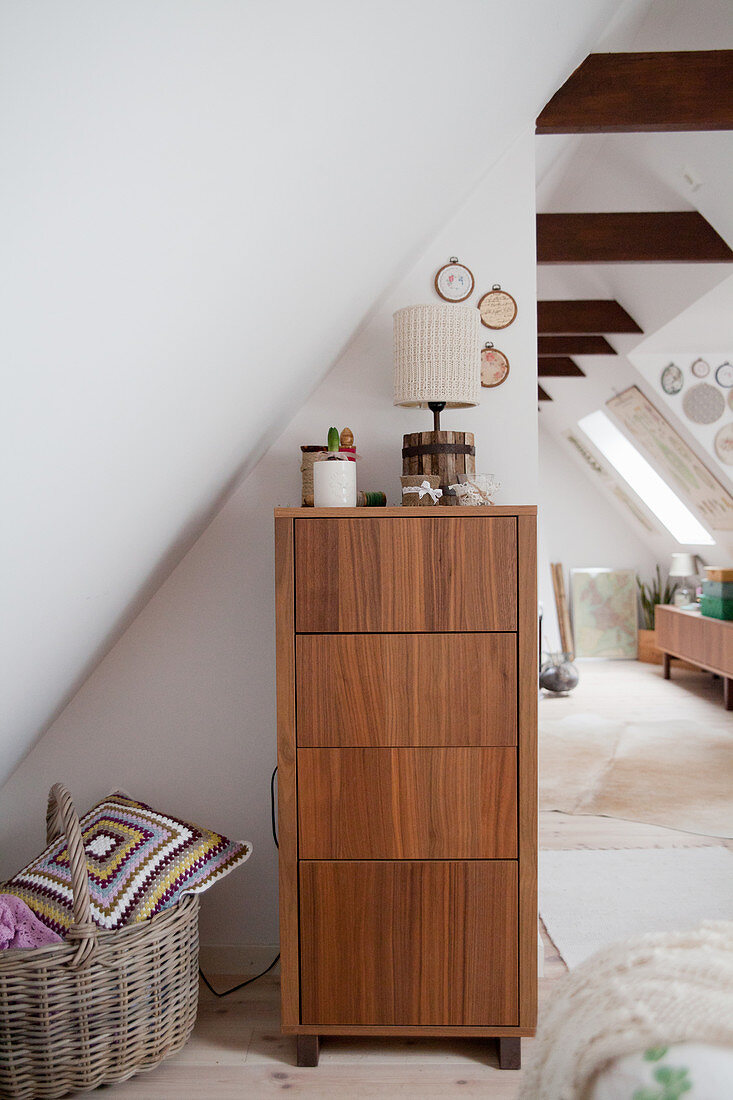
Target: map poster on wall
{"points": [[604, 613], [674, 458]]}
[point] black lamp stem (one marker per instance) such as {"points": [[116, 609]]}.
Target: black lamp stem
{"points": [[436, 408]]}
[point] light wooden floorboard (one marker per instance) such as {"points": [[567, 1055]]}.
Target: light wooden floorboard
{"points": [[237, 1051]]}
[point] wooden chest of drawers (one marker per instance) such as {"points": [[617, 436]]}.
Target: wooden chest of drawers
{"points": [[407, 713]]}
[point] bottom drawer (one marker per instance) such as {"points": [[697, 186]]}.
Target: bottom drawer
{"points": [[403, 943]]}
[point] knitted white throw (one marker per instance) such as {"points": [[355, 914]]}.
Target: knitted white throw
{"points": [[651, 991]]}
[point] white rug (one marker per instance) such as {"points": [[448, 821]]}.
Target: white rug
{"points": [[674, 773], [592, 898]]}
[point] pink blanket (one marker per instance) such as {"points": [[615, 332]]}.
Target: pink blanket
{"points": [[20, 927]]}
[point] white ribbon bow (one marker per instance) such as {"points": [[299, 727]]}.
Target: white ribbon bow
{"points": [[421, 490]]}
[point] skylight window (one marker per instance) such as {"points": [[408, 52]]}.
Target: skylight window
{"points": [[644, 480]]}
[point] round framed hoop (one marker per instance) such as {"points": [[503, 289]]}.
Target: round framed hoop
{"points": [[724, 375], [497, 308], [672, 379], [703, 404], [494, 366], [454, 282], [700, 368], [723, 443]]}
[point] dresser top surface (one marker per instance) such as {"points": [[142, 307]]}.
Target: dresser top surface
{"points": [[723, 624], [407, 513]]}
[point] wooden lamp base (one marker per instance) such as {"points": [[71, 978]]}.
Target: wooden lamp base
{"points": [[446, 454]]}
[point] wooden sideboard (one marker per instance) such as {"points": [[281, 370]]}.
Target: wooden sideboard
{"points": [[705, 642], [407, 781]]}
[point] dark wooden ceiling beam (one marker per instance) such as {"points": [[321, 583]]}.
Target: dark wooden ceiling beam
{"points": [[583, 315], [642, 92], [558, 366], [543, 395], [678, 236], [574, 345]]}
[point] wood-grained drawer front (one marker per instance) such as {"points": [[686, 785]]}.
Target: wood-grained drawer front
{"points": [[418, 574], [411, 943], [406, 689], [407, 803]]}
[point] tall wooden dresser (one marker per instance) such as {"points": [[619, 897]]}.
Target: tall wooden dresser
{"points": [[407, 715]]}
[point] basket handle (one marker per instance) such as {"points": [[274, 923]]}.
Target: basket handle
{"points": [[63, 820]]}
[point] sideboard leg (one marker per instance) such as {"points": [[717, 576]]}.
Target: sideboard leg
{"points": [[666, 662], [510, 1053], [728, 693], [308, 1050]]}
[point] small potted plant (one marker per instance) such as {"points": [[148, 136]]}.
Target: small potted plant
{"points": [[334, 474], [650, 595]]}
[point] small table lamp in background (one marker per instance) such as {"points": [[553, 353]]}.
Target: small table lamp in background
{"points": [[683, 566], [437, 364]]}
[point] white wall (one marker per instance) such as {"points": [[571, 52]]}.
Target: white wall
{"points": [[181, 711], [200, 203], [579, 527]]}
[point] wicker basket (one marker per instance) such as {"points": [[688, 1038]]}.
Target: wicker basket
{"points": [[103, 1005]]}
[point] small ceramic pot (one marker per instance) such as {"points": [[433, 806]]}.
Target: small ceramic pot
{"points": [[334, 483]]}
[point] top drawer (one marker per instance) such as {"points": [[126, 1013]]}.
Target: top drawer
{"points": [[412, 574]]}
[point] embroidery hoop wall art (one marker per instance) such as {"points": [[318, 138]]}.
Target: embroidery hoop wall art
{"points": [[454, 282], [724, 443], [494, 366], [703, 404], [724, 375], [672, 379], [497, 308]]}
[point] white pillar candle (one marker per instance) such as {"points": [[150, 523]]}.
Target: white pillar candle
{"points": [[334, 484]]}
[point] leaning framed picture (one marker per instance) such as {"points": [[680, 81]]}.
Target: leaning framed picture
{"points": [[604, 609]]}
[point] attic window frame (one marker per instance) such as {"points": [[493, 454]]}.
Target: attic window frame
{"points": [[649, 485]]}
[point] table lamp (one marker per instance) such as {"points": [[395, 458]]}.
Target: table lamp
{"points": [[437, 364], [684, 566]]}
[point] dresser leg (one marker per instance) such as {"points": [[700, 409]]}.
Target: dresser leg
{"points": [[510, 1053], [666, 662], [308, 1050], [728, 693]]}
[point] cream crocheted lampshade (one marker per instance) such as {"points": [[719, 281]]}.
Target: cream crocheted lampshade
{"points": [[437, 355]]}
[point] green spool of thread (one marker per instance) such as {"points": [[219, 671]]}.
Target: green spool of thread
{"points": [[373, 499]]}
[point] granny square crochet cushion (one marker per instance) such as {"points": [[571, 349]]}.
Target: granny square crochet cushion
{"points": [[139, 862]]}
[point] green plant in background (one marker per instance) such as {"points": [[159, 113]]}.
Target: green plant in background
{"points": [[651, 594], [333, 439]]}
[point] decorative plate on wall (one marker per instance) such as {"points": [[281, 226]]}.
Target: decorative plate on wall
{"points": [[724, 375], [497, 308], [724, 444], [494, 366], [703, 404], [454, 281], [672, 379], [700, 368]]}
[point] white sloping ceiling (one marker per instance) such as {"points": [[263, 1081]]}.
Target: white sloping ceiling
{"points": [[201, 203]]}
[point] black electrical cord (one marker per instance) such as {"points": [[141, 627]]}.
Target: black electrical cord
{"points": [[272, 808], [226, 992], [248, 981]]}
